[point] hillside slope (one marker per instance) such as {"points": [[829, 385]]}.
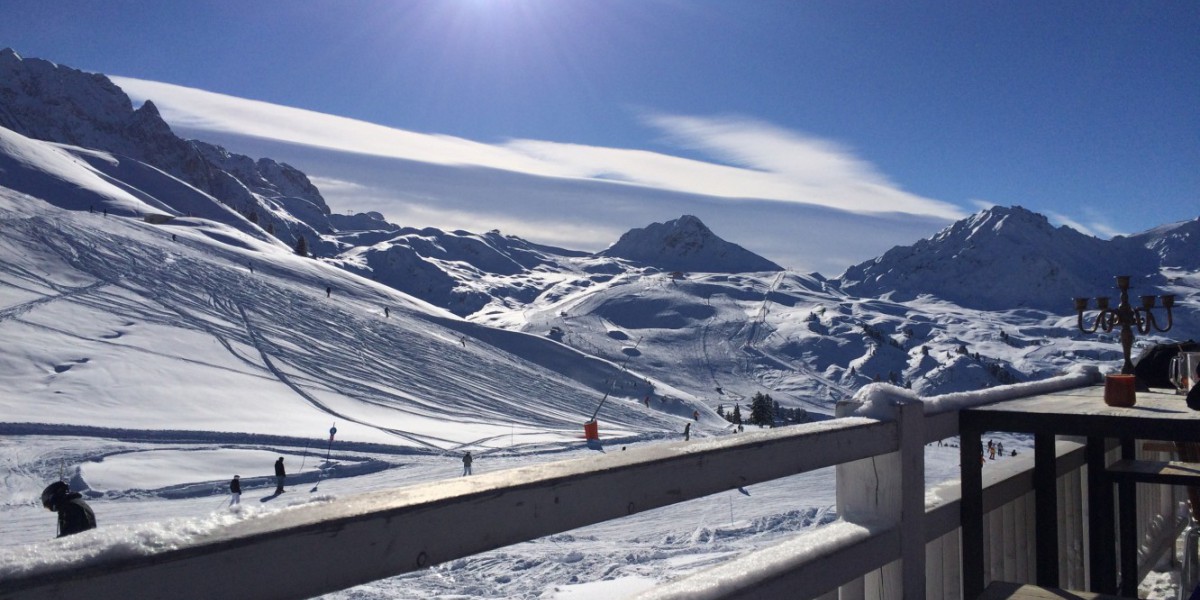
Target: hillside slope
{"points": [[99, 309]]}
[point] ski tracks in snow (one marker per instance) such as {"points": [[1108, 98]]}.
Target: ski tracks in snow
{"points": [[20, 309], [257, 341]]}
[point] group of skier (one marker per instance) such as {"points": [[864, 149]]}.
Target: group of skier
{"points": [[235, 485], [76, 516]]}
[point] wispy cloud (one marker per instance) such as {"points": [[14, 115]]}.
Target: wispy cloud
{"points": [[1095, 224], [756, 160], [207, 111], [782, 164]]}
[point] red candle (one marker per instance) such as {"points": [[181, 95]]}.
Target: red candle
{"points": [[1119, 390]]}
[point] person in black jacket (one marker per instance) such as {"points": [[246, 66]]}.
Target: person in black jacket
{"points": [[1193, 395], [235, 490], [280, 475], [74, 515]]}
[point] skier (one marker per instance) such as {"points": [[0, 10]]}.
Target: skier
{"points": [[74, 515], [467, 460], [328, 291], [695, 415], [687, 432], [280, 475], [386, 313], [235, 490]]}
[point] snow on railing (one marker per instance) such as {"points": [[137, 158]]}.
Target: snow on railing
{"points": [[879, 400]]}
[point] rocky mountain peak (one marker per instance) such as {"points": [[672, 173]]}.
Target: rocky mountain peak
{"points": [[686, 244], [1000, 258], [45, 101]]}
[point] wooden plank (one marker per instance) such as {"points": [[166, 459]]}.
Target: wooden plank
{"points": [[1045, 485], [1082, 412], [1157, 446], [1101, 529], [1156, 471], [1002, 590], [970, 447]]}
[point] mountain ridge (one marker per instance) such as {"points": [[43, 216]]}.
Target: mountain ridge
{"points": [[1010, 257]]}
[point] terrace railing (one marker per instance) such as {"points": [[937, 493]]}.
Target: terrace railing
{"points": [[892, 533]]}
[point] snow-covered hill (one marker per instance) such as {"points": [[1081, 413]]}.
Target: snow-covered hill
{"points": [[193, 283]]}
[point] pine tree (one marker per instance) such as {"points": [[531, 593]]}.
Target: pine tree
{"points": [[721, 410], [762, 410], [737, 414], [302, 246]]}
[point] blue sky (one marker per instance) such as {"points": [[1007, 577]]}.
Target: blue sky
{"points": [[1088, 112]]}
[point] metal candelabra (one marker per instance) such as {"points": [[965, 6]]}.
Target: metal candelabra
{"points": [[1126, 317]]}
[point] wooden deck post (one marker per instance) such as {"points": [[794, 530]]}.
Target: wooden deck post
{"points": [[889, 490]]}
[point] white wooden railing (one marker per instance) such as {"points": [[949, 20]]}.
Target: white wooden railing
{"points": [[893, 536], [870, 552]]}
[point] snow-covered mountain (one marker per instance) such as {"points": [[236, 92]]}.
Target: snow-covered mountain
{"points": [[50, 102], [685, 244], [1175, 244], [1009, 257], [469, 274]]}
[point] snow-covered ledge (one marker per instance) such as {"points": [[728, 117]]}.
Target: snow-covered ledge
{"points": [[878, 400]]}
